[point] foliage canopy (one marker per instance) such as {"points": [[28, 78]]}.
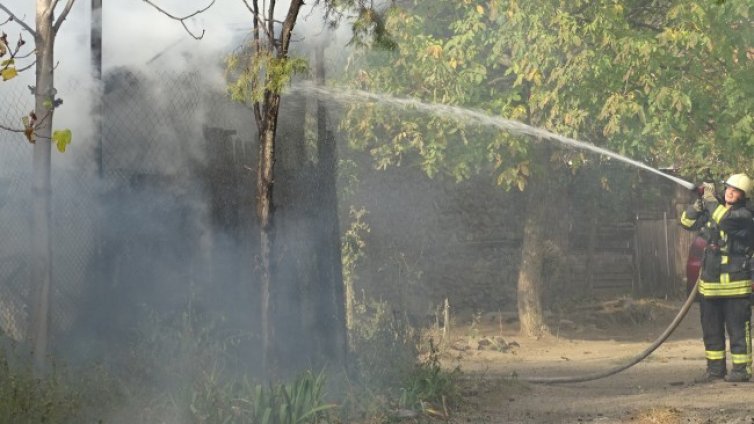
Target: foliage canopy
{"points": [[665, 82]]}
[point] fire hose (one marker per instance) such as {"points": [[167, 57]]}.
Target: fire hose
{"points": [[633, 361], [699, 190]]}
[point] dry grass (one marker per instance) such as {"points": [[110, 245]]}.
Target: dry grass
{"points": [[659, 416]]}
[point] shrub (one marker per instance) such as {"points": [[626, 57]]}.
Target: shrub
{"points": [[298, 402], [383, 347], [60, 396], [430, 386], [390, 378]]}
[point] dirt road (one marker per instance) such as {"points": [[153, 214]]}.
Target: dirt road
{"points": [[659, 390]]}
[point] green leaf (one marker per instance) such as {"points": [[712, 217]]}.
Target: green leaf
{"points": [[8, 73], [62, 139]]}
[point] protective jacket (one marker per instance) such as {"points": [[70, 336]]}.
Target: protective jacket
{"points": [[729, 233]]}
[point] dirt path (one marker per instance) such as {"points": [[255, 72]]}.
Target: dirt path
{"points": [[659, 390]]}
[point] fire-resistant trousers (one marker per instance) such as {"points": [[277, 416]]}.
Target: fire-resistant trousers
{"points": [[733, 315]]}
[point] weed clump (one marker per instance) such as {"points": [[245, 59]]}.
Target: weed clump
{"points": [[60, 395], [391, 378]]}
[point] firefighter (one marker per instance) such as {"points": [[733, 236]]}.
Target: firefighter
{"points": [[725, 278]]}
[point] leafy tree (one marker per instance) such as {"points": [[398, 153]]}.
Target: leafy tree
{"points": [[659, 81], [258, 72], [267, 68]]}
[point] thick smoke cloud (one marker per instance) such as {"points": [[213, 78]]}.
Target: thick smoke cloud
{"points": [[134, 36], [162, 90], [133, 33]]}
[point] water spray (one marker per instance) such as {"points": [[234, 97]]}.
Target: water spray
{"points": [[455, 112], [517, 127]]}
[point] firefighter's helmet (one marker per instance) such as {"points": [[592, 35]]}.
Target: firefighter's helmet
{"points": [[741, 182]]}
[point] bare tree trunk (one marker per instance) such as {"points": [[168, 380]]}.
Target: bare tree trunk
{"points": [[331, 321], [41, 269], [96, 51], [349, 305], [265, 184], [590, 250], [530, 278]]}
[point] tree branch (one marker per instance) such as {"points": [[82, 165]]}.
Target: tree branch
{"points": [[645, 25], [257, 23], [11, 61], [24, 56], [290, 21], [248, 6], [257, 19], [30, 130], [271, 23], [18, 21], [15, 130], [63, 14], [182, 19], [19, 70]]}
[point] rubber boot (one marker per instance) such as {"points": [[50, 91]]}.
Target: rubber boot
{"points": [[738, 374], [715, 371]]}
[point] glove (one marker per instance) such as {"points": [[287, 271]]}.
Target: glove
{"points": [[709, 192], [698, 205]]}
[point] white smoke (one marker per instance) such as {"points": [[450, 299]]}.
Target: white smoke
{"points": [[135, 34]]}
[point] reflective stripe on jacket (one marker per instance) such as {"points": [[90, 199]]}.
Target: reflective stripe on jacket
{"points": [[729, 232]]}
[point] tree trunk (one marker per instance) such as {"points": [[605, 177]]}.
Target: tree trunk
{"points": [[295, 251], [41, 269], [266, 116], [96, 52], [265, 183], [530, 277], [330, 325], [590, 251]]}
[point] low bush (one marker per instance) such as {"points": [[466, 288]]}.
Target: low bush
{"points": [[429, 385], [60, 396], [389, 379]]}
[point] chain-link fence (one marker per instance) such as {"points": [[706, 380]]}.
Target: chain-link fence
{"points": [[130, 221], [15, 207]]}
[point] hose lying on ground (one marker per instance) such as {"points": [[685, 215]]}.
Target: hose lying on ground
{"points": [[635, 360]]}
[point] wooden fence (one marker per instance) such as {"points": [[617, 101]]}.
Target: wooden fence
{"points": [[643, 258]]}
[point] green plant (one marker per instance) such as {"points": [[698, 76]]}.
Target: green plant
{"points": [[429, 387], [26, 399], [178, 348], [60, 396], [297, 402], [388, 376], [300, 402], [352, 252], [214, 399], [384, 346]]}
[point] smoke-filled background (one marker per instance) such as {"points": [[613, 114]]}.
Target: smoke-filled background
{"points": [[154, 234], [159, 209], [135, 202], [155, 238]]}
